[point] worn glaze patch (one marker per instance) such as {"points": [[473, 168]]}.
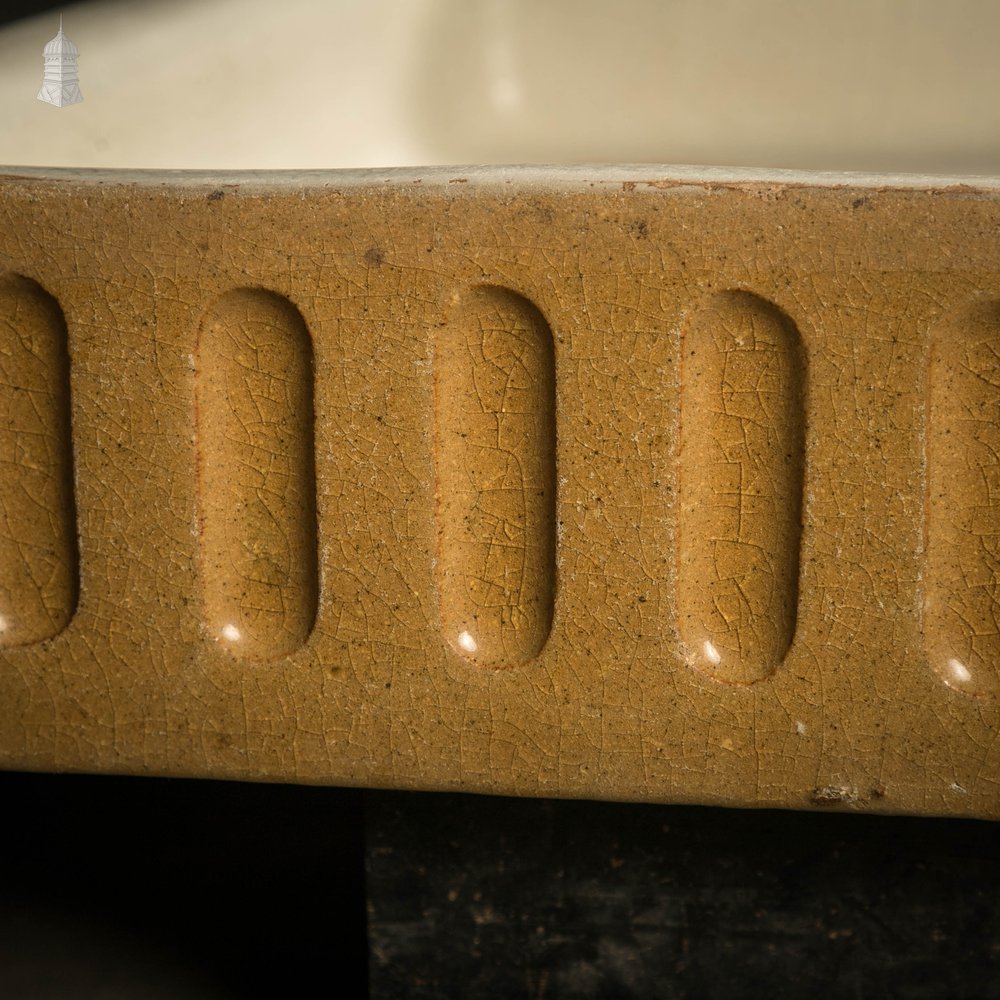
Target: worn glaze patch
{"points": [[39, 581], [961, 620], [256, 474], [740, 482], [494, 393]]}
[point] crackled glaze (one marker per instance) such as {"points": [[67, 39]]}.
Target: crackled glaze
{"points": [[38, 545], [496, 477], [270, 380], [256, 476], [741, 463]]}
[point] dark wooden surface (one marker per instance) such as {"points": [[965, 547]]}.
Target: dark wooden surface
{"points": [[141, 887], [474, 897]]}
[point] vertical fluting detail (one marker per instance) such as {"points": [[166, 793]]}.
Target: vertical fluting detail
{"points": [[961, 613], [740, 481], [39, 582], [256, 474], [495, 441]]}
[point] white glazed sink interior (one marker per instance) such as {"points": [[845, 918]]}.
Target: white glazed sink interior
{"points": [[869, 85]]}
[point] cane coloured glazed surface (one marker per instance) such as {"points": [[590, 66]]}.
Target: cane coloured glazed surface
{"points": [[610, 484]]}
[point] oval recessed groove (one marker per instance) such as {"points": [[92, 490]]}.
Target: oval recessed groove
{"points": [[961, 613], [256, 474], [494, 452], [740, 482], [39, 581]]}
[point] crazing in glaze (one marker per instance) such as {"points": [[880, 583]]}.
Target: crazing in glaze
{"points": [[740, 482], [495, 438], [961, 614], [256, 474], [39, 582]]}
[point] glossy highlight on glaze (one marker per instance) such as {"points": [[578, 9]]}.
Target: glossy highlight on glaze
{"points": [[494, 452], [740, 482], [39, 581], [256, 474], [961, 612]]}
